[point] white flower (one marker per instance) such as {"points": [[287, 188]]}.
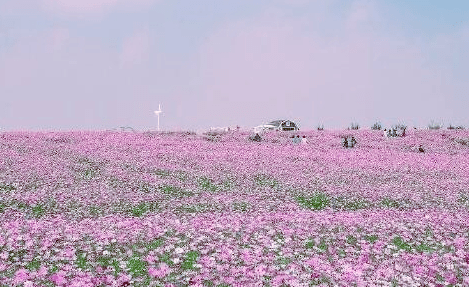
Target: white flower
{"points": [[122, 264], [179, 250], [105, 252], [176, 260]]}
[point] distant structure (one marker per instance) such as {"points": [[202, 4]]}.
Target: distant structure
{"points": [[278, 125], [256, 137], [220, 129], [158, 112]]}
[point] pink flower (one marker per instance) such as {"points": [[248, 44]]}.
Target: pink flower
{"points": [[207, 261], [150, 259], [314, 263], [260, 270], [229, 280], [20, 276], [384, 272], [42, 271], [247, 257], [225, 255], [460, 242], [58, 278], [419, 270], [451, 278], [364, 258], [28, 284], [161, 272], [279, 280]]}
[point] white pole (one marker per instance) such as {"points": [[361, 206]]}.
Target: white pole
{"points": [[158, 121]]}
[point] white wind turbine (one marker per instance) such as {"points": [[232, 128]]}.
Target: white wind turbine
{"points": [[158, 112]]}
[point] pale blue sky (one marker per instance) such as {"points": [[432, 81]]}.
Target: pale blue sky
{"points": [[102, 64]]}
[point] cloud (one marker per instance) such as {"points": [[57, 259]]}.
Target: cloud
{"points": [[73, 8], [276, 66]]}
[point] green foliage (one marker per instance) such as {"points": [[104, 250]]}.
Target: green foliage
{"points": [[104, 261], [33, 265], [317, 201], [423, 248], [166, 258], [116, 266], [228, 184], [139, 210], [7, 187], [146, 187], [401, 244], [372, 238], [89, 174], [189, 260], [155, 244], [208, 283], [322, 246], [351, 240], [241, 206], [81, 261], [390, 203], [2, 207], [309, 244], [464, 199], [137, 267], [173, 191], [207, 184], [161, 172], [38, 210], [265, 180], [54, 268], [95, 211]]}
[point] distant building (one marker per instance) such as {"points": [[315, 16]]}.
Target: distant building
{"points": [[278, 125]]}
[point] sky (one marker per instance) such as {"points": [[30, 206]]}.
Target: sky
{"points": [[103, 64]]}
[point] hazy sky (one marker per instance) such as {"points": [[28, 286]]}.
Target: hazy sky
{"points": [[102, 64]]}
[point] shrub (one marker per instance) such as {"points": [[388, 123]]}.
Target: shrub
{"points": [[455, 128], [434, 126], [376, 126], [320, 127], [354, 126]]}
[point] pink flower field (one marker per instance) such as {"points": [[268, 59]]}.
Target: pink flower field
{"points": [[181, 209]]}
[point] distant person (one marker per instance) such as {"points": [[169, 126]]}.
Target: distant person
{"points": [[304, 140], [345, 142], [353, 142], [385, 133]]}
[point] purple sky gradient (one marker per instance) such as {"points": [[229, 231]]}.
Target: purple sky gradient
{"points": [[94, 65]]}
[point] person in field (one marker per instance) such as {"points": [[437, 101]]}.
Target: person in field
{"points": [[304, 140]]}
